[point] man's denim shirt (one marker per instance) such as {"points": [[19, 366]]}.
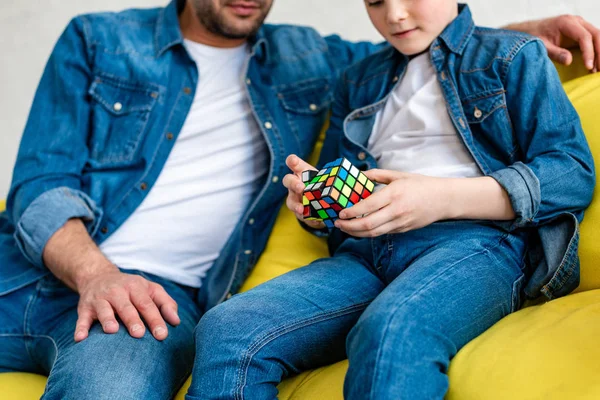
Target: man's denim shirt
{"points": [[507, 103], [109, 107]]}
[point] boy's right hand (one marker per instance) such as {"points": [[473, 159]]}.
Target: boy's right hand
{"points": [[295, 186]]}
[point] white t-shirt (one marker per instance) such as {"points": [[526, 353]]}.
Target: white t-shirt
{"points": [[414, 133], [218, 161]]}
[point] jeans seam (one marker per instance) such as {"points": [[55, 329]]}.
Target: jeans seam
{"points": [[392, 313], [278, 332], [26, 331]]}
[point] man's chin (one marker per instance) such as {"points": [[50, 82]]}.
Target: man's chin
{"points": [[239, 31]]}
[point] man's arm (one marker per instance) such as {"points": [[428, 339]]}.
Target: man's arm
{"points": [[562, 33], [46, 188], [55, 219]]}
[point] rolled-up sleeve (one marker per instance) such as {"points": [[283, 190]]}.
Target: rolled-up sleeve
{"points": [[46, 214]]}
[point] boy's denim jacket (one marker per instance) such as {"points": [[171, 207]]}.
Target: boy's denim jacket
{"points": [[109, 107], [507, 103]]}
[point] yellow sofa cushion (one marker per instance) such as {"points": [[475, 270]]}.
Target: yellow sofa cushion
{"points": [[544, 352]]}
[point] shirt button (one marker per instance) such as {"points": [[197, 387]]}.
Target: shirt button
{"points": [[248, 81], [154, 95], [395, 79], [443, 75], [248, 252], [477, 113], [268, 125], [229, 295], [362, 156], [462, 123], [251, 221], [275, 179], [104, 230], [144, 186], [170, 136], [313, 107], [117, 106], [187, 90]]}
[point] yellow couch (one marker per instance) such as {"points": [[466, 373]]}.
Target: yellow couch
{"points": [[548, 351]]}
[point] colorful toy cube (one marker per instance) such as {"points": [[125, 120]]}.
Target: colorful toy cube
{"points": [[337, 186]]}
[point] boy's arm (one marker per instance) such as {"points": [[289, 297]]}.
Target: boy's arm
{"points": [[46, 187], [556, 174]]}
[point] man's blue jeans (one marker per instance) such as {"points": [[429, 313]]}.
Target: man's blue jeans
{"points": [[37, 324], [399, 307]]}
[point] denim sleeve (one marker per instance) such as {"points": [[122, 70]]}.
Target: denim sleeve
{"points": [[556, 171], [335, 132], [344, 53], [46, 187]]}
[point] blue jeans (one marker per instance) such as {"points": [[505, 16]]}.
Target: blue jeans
{"points": [[37, 324], [399, 307]]}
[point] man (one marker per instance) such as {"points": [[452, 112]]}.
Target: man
{"points": [[147, 182]]}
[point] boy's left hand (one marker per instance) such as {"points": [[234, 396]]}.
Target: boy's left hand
{"points": [[409, 201]]}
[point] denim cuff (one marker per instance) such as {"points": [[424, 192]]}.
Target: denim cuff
{"points": [[47, 214], [523, 189]]}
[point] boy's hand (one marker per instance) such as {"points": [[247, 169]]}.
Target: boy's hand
{"points": [[409, 201], [293, 182]]}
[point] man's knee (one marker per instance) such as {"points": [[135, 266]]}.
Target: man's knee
{"points": [[118, 366]]}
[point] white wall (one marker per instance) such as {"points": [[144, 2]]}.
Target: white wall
{"points": [[28, 30]]}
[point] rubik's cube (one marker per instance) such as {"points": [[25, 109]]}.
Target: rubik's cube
{"points": [[337, 186]]}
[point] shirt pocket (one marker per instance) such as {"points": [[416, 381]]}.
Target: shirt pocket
{"points": [[306, 106], [490, 124], [120, 113]]}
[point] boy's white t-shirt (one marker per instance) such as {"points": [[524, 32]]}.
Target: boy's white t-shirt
{"points": [[217, 163], [414, 133]]}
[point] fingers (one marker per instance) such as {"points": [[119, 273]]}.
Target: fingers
{"points": [[371, 204], [106, 316], [295, 188], [558, 54], [166, 304], [150, 313], [297, 165], [293, 183], [121, 300], [375, 224], [84, 323], [595, 32], [577, 31], [384, 176]]}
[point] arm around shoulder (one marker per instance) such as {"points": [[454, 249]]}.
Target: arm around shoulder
{"points": [[555, 173]]}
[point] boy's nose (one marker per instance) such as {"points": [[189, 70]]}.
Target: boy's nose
{"points": [[397, 12]]}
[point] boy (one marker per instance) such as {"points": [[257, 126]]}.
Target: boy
{"points": [[485, 168]]}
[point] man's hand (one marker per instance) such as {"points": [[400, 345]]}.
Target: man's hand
{"points": [[107, 292], [565, 32], [295, 186], [104, 290]]}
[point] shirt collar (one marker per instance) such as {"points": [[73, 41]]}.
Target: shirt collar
{"points": [[459, 31]]}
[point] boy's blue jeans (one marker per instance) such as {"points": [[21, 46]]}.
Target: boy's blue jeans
{"points": [[398, 306], [37, 324]]}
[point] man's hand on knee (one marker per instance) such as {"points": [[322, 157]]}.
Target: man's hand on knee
{"points": [[106, 292], [132, 298]]}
